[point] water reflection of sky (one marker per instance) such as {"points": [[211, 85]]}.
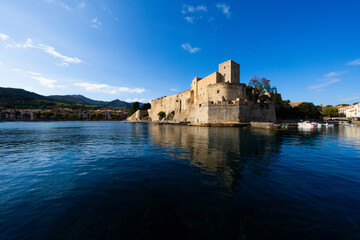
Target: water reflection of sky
{"points": [[88, 180]]}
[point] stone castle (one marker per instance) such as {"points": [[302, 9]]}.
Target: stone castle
{"points": [[217, 98]]}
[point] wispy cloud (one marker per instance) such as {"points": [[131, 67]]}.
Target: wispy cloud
{"points": [[190, 19], [65, 60], [65, 6], [104, 88], [4, 37], [33, 73], [95, 23], [16, 70], [47, 82], [193, 9], [187, 47], [60, 3], [82, 4], [354, 97], [143, 100], [225, 9], [334, 74], [173, 89], [354, 62], [320, 86]]}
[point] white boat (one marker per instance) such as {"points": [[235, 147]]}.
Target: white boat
{"points": [[307, 124], [328, 125]]}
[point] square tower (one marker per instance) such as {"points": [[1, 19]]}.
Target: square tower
{"points": [[231, 71]]}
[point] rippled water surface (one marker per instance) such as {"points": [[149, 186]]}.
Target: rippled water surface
{"points": [[94, 180]]}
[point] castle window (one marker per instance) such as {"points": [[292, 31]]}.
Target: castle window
{"points": [[218, 91], [224, 67], [199, 105]]}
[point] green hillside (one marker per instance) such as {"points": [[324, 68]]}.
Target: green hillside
{"points": [[19, 98]]}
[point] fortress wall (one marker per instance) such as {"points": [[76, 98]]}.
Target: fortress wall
{"points": [[199, 115], [201, 97], [224, 113], [264, 114], [180, 103], [229, 91]]}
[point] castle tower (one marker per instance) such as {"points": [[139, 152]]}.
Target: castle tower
{"points": [[231, 71]]}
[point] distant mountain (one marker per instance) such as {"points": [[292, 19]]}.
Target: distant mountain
{"points": [[119, 103], [69, 99], [86, 100], [19, 98], [79, 99]]}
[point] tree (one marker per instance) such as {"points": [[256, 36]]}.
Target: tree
{"points": [[286, 102], [92, 116], [146, 106], [276, 98], [74, 116], [58, 115], [161, 115], [17, 114], [47, 115], [261, 85], [308, 110], [135, 106], [330, 111]]}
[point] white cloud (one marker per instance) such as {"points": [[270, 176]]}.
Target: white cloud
{"points": [[104, 88], [16, 70], [192, 9], [47, 82], [225, 9], [190, 19], [95, 23], [320, 86], [4, 37], [82, 4], [143, 100], [334, 74], [355, 62], [1, 63], [65, 60], [187, 47], [173, 89], [33, 73]]}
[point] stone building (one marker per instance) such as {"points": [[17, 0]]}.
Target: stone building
{"points": [[217, 98]]}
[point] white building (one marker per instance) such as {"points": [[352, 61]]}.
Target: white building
{"points": [[352, 111]]}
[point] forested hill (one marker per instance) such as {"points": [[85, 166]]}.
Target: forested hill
{"points": [[79, 99], [20, 98]]}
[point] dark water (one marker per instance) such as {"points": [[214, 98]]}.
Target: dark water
{"points": [[139, 181]]}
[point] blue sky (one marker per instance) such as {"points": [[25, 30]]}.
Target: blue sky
{"points": [[140, 50]]}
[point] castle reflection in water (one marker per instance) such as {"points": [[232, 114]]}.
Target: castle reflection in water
{"points": [[221, 151]]}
